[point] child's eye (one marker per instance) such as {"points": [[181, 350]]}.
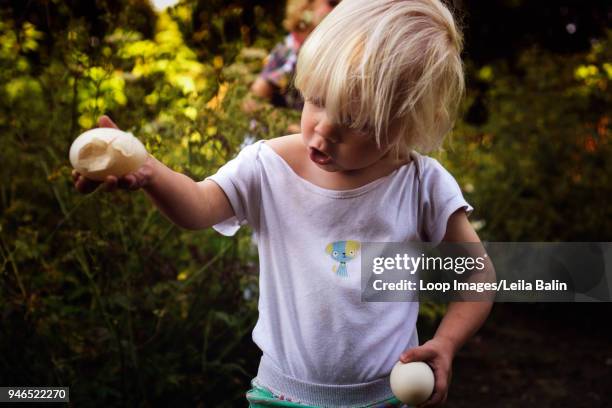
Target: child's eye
{"points": [[350, 123], [365, 130], [318, 102]]}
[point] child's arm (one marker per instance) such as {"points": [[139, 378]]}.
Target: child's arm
{"points": [[186, 203], [461, 321]]}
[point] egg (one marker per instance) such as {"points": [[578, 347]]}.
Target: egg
{"points": [[412, 383], [100, 152]]}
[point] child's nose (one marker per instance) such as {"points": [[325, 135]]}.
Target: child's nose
{"points": [[326, 129]]}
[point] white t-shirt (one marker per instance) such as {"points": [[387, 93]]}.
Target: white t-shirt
{"points": [[321, 345]]}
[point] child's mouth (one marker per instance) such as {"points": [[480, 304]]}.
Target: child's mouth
{"points": [[319, 157]]}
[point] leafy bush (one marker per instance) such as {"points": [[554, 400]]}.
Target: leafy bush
{"points": [[103, 294], [534, 160]]}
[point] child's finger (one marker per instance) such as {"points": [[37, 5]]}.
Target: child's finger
{"points": [[110, 184], [105, 121], [417, 354], [135, 183], [440, 392], [84, 185], [127, 182], [436, 399]]}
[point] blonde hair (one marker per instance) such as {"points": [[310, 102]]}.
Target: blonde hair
{"points": [[392, 67]]}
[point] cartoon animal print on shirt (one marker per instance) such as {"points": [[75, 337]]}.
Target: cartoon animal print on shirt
{"points": [[342, 251]]}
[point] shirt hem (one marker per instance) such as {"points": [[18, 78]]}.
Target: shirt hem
{"points": [[325, 395]]}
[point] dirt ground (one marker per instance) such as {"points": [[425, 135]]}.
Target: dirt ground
{"points": [[537, 355]]}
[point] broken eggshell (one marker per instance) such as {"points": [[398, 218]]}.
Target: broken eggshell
{"points": [[101, 152]]}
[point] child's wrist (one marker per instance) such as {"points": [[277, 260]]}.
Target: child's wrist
{"points": [[153, 171], [448, 344]]}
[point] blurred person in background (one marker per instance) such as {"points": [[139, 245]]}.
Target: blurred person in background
{"points": [[274, 83]]}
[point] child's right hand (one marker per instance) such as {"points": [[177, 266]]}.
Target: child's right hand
{"points": [[132, 181]]}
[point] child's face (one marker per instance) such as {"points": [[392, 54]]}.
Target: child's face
{"points": [[321, 8], [337, 148]]}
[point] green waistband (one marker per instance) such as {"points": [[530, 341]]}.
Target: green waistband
{"points": [[260, 397]]}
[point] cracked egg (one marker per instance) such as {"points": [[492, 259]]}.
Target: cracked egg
{"points": [[101, 152]]}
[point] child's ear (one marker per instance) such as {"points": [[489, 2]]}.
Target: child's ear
{"points": [[329, 248]]}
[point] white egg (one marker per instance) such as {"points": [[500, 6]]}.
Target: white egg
{"points": [[100, 152], [412, 383]]}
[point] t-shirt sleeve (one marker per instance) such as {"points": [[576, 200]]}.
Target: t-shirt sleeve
{"points": [[240, 181], [441, 197]]}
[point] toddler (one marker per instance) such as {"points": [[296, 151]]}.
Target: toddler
{"points": [[381, 80]]}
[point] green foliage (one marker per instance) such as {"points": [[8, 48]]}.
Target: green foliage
{"points": [[217, 28], [538, 168], [102, 293]]}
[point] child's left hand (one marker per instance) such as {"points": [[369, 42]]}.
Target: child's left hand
{"points": [[438, 353]]}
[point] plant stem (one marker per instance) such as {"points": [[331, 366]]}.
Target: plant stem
{"points": [[4, 247]]}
